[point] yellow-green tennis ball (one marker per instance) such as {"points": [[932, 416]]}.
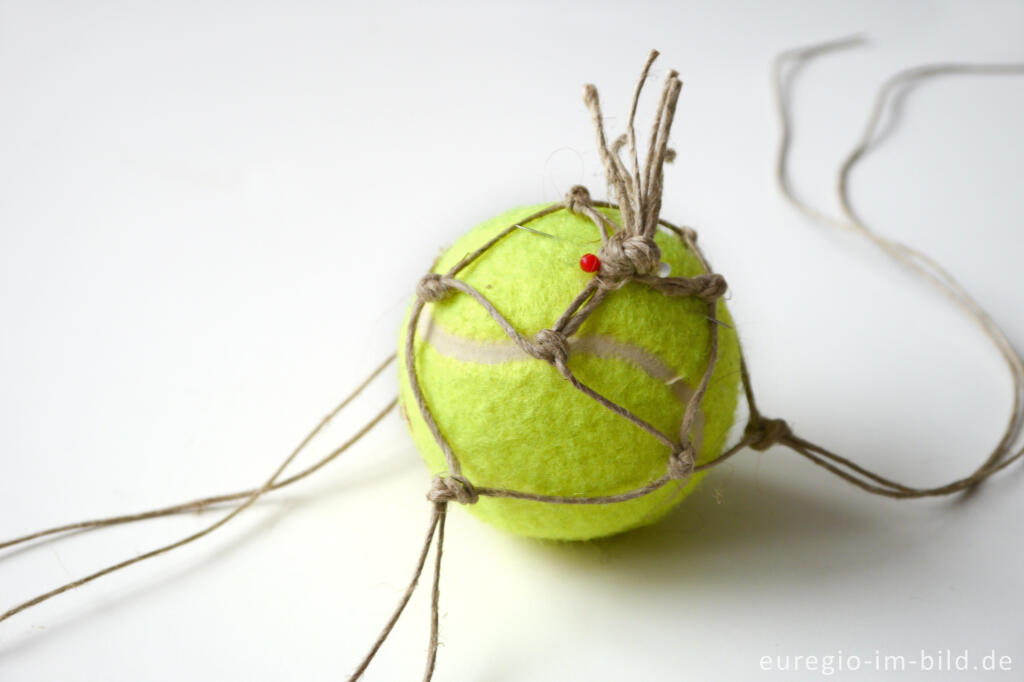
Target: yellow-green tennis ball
{"points": [[514, 422]]}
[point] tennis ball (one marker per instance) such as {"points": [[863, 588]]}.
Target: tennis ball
{"points": [[514, 422]]}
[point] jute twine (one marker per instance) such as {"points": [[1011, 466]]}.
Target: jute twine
{"points": [[628, 253]]}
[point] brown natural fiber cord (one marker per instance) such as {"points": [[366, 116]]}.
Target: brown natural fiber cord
{"points": [[786, 66], [249, 497], [628, 254]]}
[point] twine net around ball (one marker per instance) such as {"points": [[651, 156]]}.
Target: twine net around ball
{"points": [[551, 345], [628, 254]]}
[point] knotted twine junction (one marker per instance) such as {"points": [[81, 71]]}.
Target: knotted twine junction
{"points": [[628, 254]]}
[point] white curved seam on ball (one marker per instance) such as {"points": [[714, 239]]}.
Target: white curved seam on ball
{"points": [[497, 352]]}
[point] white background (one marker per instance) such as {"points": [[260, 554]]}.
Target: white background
{"points": [[211, 218]]}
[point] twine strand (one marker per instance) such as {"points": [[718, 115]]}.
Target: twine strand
{"points": [[577, 200], [920, 262], [198, 505], [667, 112], [253, 495], [435, 595], [785, 68], [616, 184], [640, 192], [436, 514]]}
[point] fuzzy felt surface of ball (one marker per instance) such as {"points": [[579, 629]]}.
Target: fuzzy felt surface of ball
{"points": [[515, 423]]}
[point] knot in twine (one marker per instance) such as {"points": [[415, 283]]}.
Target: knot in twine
{"points": [[551, 346], [765, 433], [682, 463], [577, 198], [452, 489], [709, 287], [432, 288], [626, 255]]}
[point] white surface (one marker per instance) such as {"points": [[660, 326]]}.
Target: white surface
{"points": [[193, 197]]}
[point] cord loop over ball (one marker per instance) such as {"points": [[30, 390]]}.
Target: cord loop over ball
{"points": [[682, 462], [625, 256], [577, 199], [764, 433], [432, 288], [452, 489]]}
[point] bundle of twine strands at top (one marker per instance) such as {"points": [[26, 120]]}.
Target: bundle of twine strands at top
{"points": [[628, 253]]}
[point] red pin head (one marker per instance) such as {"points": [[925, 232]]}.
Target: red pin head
{"points": [[590, 263]]}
